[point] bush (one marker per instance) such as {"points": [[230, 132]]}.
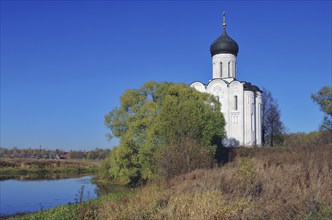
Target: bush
{"points": [[183, 157]]}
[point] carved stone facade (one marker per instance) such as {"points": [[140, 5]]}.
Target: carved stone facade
{"points": [[241, 102]]}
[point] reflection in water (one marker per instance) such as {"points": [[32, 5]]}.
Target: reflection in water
{"points": [[30, 196]]}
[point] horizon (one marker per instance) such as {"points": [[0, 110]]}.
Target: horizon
{"points": [[64, 65]]}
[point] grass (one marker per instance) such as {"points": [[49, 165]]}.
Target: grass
{"points": [[61, 212]]}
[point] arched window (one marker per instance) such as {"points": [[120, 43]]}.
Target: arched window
{"points": [[234, 68], [235, 103], [229, 69], [221, 69]]}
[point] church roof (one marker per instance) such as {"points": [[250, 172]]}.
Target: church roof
{"points": [[224, 43], [249, 87]]}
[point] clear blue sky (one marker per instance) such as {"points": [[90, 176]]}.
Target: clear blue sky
{"points": [[64, 64]]}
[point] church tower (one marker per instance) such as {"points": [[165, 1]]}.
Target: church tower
{"points": [[240, 101], [223, 52]]}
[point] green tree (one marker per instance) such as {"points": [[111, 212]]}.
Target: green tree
{"points": [[155, 116], [324, 99]]}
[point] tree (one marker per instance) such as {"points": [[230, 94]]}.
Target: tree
{"points": [[272, 127], [155, 116], [324, 99]]}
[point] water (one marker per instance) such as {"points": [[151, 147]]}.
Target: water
{"points": [[30, 196]]}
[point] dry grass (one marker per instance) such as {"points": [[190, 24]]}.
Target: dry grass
{"points": [[283, 183]]}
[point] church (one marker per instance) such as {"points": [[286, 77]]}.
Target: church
{"points": [[241, 102]]}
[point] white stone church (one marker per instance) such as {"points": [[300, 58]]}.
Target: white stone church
{"points": [[241, 102]]}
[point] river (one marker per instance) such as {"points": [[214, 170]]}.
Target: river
{"points": [[34, 195]]}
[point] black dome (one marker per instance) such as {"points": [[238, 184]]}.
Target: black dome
{"points": [[224, 44]]}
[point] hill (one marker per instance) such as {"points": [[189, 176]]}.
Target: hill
{"points": [[289, 182]]}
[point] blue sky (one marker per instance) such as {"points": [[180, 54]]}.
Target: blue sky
{"points": [[64, 64]]}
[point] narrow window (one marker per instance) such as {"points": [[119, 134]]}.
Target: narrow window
{"points": [[229, 69], [234, 69], [252, 117], [221, 69], [235, 103]]}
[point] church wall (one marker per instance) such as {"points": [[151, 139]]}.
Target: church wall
{"points": [[224, 66], [198, 86], [219, 89], [249, 118], [241, 109], [236, 110], [259, 118]]}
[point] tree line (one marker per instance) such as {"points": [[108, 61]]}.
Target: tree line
{"points": [[15, 152], [273, 129]]}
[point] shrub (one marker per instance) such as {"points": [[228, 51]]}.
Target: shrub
{"points": [[183, 157]]}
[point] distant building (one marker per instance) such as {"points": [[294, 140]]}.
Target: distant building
{"points": [[241, 102]]}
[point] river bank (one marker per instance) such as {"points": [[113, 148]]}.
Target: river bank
{"points": [[43, 170], [83, 205], [32, 168]]}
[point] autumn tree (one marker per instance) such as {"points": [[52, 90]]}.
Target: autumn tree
{"points": [[324, 99], [155, 116], [272, 126]]}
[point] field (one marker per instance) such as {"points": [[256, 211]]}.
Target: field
{"points": [[31, 168]]}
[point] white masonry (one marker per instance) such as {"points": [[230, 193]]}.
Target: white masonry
{"points": [[241, 102]]}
